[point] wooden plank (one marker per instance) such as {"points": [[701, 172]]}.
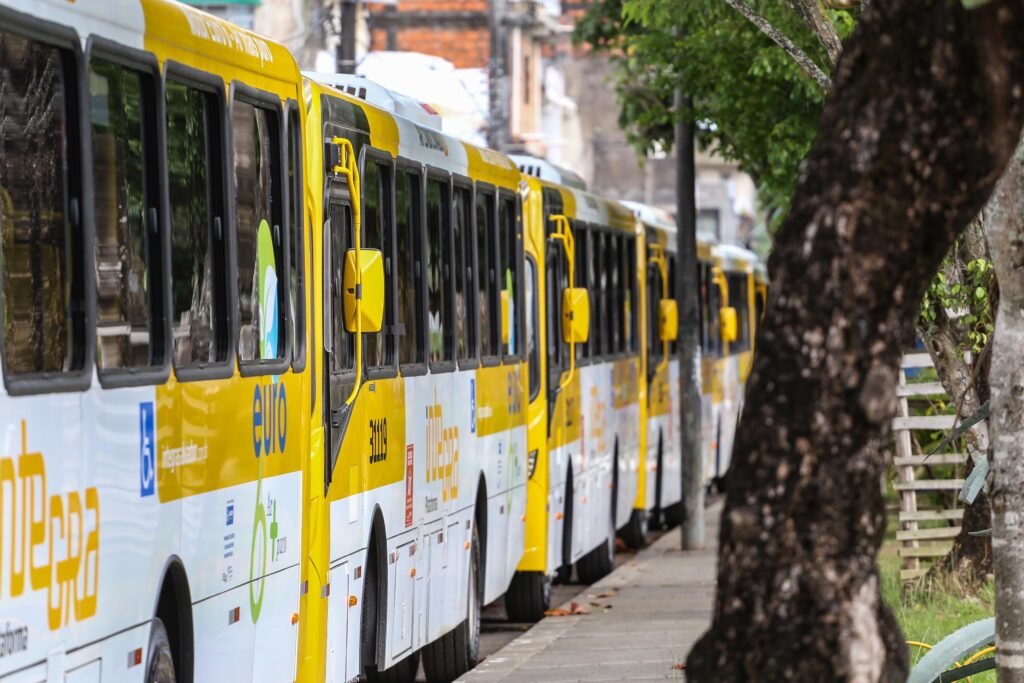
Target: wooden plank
{"points": [[930, 515], [911, 574], [920, 389], [928, 534], [924, 422], [930, 550], [916, 360], [934, 459], [930, 485]]}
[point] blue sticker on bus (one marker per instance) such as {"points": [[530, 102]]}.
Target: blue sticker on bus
{"points": [[147, 449]]}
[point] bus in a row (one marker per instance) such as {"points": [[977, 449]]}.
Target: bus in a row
{"points": [[294, 383]]}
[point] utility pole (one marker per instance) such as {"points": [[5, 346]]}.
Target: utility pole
{"points": [[689, 342], [497, 78], [346, 52]]}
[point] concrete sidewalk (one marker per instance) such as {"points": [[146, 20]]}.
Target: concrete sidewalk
{"points": [[655, 608]]}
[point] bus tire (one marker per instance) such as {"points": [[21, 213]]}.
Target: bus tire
{"points": [[401, 672], [528, 597], [457, 651], [673, 515], [563, 574], [598, 563], [160, 668], [634, 534]]}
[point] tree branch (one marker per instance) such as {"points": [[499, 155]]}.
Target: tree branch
{"points": [[821, 27], [798, 55]]}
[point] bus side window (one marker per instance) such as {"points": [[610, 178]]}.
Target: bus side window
{"points": [[129, 263], [490, 330], [510, 272], [669, 294], [339, 229], [44, 294], [654, 294], [439, 306], [581, 235], [532, 327], [613, 293], [599, 290], [630, 292], [465, 284], [738, 299], [409, 250], [198, 254], [297, 286], [260, 242], [379, 347]]}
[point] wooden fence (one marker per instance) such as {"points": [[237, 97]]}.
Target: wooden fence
{"points": [[926, 527]]}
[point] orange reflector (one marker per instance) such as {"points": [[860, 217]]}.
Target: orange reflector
{"points": [[523, 518], [353, 601], [412, 572], [583, 500], [234, 615], [559, 515], [135, 657], [468, 545], [295, 618]]}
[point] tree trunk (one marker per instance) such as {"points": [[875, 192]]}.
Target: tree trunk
{"points": [[967, 386], [1006, 241], [925, 112]]}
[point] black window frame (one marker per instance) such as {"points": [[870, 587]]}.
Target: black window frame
{"points": [[581, 233], [268, 101], [517, 327], [147, 64], [631, 294], [533, 369], [470, 283], [225, 318], [78, 187], [493, 292], [448, 342], [420, 366], [598, 344], [293, 126], [381, 157]]}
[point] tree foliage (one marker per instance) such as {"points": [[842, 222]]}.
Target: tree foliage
{"points": [[754, 104]]}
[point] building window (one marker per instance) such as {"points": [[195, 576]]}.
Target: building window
{"points": [[708, 221]]}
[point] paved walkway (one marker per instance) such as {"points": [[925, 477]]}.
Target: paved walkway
{"points": [[644, 618]]}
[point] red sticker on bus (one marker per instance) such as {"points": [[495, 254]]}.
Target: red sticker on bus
{"points": [[408, 484]]}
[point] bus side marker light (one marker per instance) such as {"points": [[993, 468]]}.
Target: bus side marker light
{"points": [[468, 545], [325, 592], [559, 516], [359, 572], [234, 615], [353, 601], [295, 618], [522, 518], [135, 657], [412, 572]]}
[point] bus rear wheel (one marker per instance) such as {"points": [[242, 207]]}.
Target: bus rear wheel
{"points": [[457, 651], [528, 597], [161, 662], [598, 563], [634, 534]]}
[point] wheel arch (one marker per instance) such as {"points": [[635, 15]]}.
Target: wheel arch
{"points": [[174, 608]]}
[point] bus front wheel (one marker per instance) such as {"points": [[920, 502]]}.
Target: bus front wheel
{"points": [[528, 597], [161, 662], [457, 651]]}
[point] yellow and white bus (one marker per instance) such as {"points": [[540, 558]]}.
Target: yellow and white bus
{"points": [[730, 300], [584, 408], [236, 445]]}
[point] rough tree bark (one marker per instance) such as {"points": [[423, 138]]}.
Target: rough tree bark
{"points": [[814, 18], [1006, 423], [925, 111]]}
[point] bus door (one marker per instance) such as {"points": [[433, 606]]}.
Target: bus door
{"points": [[339, 366]]}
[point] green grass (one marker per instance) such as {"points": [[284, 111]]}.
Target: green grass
{"points": [[930, 609]]}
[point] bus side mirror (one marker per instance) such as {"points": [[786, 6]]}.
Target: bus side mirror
{"points": [[505, 322], [668, 320], [575, 315], [371, 263], [727, 316]]}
